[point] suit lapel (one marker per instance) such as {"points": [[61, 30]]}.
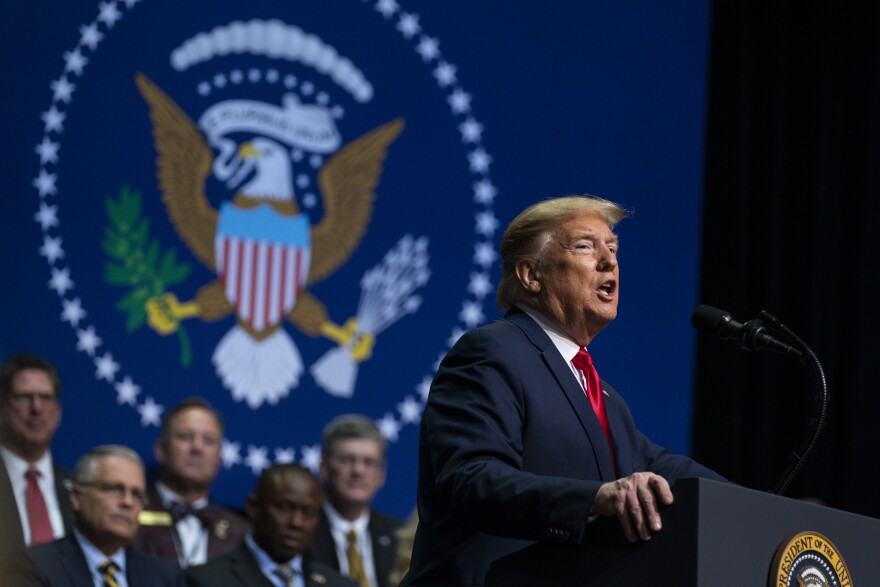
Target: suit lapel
{"points": [[74, 561], [569, 386], [158, 539], [383, 553], [63, 485], [323, 546], [135, 568], [622, 448], [9, 510], [313, 577], [247, 569]]}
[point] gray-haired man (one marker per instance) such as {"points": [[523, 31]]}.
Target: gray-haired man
{"points": [[108, 494]]}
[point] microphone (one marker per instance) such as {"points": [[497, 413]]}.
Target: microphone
{"points": [[751, 336]]}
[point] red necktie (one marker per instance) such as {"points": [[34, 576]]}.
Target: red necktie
{"points": [[38, 515], [584, 362]]}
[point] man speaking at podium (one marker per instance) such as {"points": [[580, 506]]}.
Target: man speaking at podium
{"points": [[520, 440]]}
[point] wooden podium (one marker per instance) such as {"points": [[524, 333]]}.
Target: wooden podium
{"points": [[714, 534]]}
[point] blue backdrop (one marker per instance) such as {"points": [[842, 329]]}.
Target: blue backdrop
{"points": [[120, 195]]}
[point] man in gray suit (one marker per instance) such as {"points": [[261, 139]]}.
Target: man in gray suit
{"points": [[34, 490], [284, 511]]}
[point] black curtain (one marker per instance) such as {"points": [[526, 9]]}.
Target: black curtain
{"points": [[791, 209]]}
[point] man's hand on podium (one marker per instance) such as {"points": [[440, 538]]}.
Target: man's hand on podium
{"points": [[635, 500]]}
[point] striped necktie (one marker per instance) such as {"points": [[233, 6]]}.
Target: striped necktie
{"points": [[108, 569], [287, 574]]}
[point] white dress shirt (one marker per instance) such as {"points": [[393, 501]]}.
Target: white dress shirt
{"points": [[95, 558], [268, 566], [191, 535], [563, 343], [16, 467], [339, 528]]}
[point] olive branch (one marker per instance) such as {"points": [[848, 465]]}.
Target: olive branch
{"points": [[137, 262]]}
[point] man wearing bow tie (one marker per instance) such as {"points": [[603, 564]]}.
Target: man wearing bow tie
{"points": [[180, 523]]}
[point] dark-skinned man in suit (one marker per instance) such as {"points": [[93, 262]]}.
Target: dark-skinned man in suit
{"points": [[284, 511]]}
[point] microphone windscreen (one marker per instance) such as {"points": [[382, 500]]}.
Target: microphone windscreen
{"points": [[707, 318]]}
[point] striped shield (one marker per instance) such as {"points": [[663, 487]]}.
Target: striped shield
{"points": [[263, 262]]}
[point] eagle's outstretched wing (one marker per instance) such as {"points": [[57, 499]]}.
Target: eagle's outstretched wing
{"points": [[184, 163], [347, 183]]}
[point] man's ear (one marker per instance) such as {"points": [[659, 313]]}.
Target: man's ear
{"points": [[324, 470], [74, 498], [528, 275], [252, 507], [159, 451]]}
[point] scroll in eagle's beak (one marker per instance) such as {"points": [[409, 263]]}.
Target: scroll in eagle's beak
{"points": [[247, 150]]}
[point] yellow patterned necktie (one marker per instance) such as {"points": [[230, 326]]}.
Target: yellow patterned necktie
{"points": [[108, 569], [287, 574], [355, 563]]}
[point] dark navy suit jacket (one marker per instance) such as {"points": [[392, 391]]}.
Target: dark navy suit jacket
{"points": [[239, 568], [62, 564], [511, 452], [382, 530], [11, 532]]}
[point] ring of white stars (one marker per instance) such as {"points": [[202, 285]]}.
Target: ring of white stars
{"points": [[257, 457]]}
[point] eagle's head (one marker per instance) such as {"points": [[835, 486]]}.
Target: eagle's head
{"points": [[273, 177]]}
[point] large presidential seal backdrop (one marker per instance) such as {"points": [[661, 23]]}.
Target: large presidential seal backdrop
{"points": [[292, 208]]}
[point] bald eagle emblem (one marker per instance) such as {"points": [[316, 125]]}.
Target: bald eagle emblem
{"points": [[265, 250]]}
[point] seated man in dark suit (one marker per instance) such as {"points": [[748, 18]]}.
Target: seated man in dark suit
{"points": [[284, 511], [107, 497], [179, 522], [34, 489], [521, 441], [353, 537]]}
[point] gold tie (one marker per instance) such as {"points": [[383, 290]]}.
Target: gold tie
{"points": [[355, 563], [287, 574], [108, 569]]}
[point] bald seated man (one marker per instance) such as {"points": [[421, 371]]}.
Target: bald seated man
{"points": [[284, 511]]}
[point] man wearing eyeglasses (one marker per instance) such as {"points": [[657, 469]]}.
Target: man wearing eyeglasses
{"points": [[34, 490], [352, 537], [107, 496]]}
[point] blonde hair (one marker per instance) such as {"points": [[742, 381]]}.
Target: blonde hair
{"points": [[526, 236]]}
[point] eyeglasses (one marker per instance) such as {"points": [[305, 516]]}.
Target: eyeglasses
{"points": [[21, 399], [349, 461], [117, 490]]}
